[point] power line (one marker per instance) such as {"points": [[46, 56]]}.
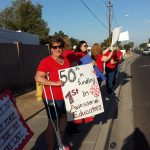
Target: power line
{"points": [[97, 5], [104, 2], [94, 14], [114, 17]]}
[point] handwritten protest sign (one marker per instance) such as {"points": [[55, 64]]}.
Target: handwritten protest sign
{"points": [[124, 36], [86, 60], [115, 35], [81, 92], [14, 132]]}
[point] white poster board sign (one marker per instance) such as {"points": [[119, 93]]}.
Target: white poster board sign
{"points": [[14, 132], [115, 35], [124, 36], [81, 92]]}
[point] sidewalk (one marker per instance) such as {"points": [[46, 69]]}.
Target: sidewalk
{"points": [[93, 136]]}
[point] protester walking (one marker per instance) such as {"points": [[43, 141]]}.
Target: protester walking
{"points": [[52, 94]]}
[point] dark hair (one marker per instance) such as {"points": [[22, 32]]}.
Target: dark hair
{"points": [[56, 39], [79, 46]]}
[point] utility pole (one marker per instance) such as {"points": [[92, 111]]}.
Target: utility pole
{"points": [[109, 6]]}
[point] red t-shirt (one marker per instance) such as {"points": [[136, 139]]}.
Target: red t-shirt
{"points": [[79, 55], [99, 62], [48, 64], [108, 63], [70, 55], [119, 55]]}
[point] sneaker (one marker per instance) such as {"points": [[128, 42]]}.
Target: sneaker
{"points": [[109, 91], [112, 93], [67, 147]]}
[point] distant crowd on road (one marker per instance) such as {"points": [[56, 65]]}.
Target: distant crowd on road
{"points": [[63, 56]]}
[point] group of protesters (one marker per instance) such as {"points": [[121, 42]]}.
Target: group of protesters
{"points": [[62, 57]]}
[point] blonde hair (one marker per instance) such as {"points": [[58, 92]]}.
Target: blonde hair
{"points": [[67, 42], [96, 50]]}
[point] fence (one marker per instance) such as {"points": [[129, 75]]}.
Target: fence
{"points": [[18, 63]]}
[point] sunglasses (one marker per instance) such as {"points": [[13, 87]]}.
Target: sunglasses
{"points": [[59, 46], [85, 45]]}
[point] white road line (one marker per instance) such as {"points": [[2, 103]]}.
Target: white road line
{"points": [[144, 66]]}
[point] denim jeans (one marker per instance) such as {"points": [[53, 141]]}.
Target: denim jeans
{"points": [[110, 79]]}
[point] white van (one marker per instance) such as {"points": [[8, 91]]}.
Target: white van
{"points": [[146, 51]]}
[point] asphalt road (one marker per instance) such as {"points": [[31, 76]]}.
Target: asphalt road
{"points": [[140, 70]]}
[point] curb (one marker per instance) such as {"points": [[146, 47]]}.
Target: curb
{"points": [[105, 131], [102, 140]]}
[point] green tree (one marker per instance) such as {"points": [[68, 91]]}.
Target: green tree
{"points": [[143, 45], [131, 44], [60, 33], [25, 16], [74, 41], [106, 43], [127, 47]]}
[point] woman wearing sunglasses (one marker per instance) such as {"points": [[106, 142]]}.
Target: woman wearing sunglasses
{"points": [[81, 50], [51, 65]]}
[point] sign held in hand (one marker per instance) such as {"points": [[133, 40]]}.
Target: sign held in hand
{"points": [[81, 92]]}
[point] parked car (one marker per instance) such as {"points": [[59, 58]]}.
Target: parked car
{"points": [[146, 51]]}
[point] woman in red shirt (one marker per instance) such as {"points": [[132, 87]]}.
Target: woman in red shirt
{"points": [[98, 55], [118, 59], [68, 52], [81, 50], [111, 70], [51, 65]]}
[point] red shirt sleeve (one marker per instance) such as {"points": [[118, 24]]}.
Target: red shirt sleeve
{"points": [[70, 55], [119, 54], [100, 63], [43, 65], [79, 55], [108, 63]]}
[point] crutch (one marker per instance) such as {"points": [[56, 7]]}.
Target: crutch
{"points": [[56, 128]]}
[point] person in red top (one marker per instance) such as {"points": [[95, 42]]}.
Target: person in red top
{"points": [[68, 52], [98, 55], [51, 65], [110, 69], [119, 54], [118, 59], [81, 50]]}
